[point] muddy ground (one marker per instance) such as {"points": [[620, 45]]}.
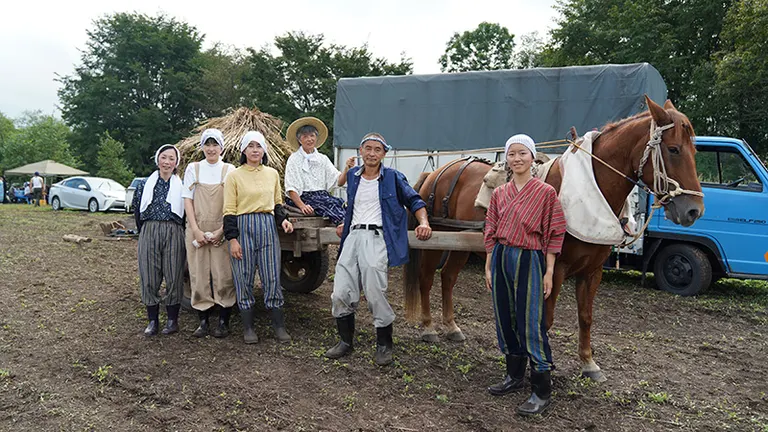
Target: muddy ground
{"points": [[72, 356]]}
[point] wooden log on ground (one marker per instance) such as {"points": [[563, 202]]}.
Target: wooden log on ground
{"points": [[72, 238]]}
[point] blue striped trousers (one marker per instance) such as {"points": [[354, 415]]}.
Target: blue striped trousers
{"points": [[162, 256], [324, 204], [518, 303], [261, 249]]}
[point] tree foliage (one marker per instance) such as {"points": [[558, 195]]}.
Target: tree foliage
{"points": [[488, 47], [38, 137], [111, 162], [140, 79]]}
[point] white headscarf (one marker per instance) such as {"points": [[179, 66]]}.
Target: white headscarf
{"points": [[174, 192], [521, 139], [254, 136], [212, 133]]}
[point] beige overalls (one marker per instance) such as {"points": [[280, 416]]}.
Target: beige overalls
{"points": [[209, 261]]}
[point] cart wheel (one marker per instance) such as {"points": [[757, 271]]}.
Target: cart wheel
{"points": [[304, 274]]}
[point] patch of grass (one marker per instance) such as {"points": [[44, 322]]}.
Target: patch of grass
{"points": [[4, 373], [349, 402], [102, 374], [464, 369], [442, 398], [407, 378], [659, 398]]}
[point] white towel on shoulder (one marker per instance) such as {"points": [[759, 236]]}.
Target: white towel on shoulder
{"points": [[173, 198]]}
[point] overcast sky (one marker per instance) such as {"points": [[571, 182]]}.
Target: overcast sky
{"points": [[39, 39]]}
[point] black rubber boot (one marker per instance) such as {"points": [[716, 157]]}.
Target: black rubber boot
{"points": [[249, 335], [278, 325], [222, 330], [541, 386], [346, 327], [515, 375], [153, 314], [384, 345], [172, 325], [202, 329]]}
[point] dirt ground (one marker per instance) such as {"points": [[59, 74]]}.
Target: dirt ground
{"points": [[72, 356]]}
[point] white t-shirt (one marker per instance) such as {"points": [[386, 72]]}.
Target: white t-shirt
{"points": [[321, 175], [37, 182], [367, 204], [209, 174]]}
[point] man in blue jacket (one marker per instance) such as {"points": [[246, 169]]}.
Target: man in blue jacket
{"points": [[374, 237]]}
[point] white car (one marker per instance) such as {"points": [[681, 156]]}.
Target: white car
{"points": [[87, 193], [130, 192]]}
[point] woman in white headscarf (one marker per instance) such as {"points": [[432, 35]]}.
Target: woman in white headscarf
{"points": [[159, 213], [252, 210], [210, 272]]}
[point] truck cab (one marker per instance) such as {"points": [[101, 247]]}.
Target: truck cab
{"points": [[730, 239]]}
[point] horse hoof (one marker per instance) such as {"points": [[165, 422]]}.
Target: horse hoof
{"points": [[430, 337], [596, 376], [456, 336]]}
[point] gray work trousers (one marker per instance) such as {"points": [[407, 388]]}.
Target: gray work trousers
{"points": [[362, 265]]}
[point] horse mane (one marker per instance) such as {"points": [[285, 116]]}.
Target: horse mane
{"points": [[615, 125]]}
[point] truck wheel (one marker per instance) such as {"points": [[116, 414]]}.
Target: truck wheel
{"points": [[303, 274], [682, 269]]}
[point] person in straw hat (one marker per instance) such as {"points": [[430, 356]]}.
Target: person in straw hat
{"points": [[310, 175], [524, 233], [210, 272], [252, 210], [374, 236], [159, 214]]}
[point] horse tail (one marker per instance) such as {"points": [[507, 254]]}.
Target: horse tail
{"points": [[412, 269]]}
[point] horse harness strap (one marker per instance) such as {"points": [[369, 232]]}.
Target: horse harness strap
{"points": [[431, 197], [447, 198]]}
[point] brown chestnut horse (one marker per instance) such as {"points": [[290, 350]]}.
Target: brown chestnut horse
{"points": [[622, 145]]}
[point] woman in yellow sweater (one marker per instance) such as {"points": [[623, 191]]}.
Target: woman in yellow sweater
{"points": [[252, 209]]}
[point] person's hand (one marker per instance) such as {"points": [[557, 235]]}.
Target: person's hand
{"points": [[235, 250], [350, 162], [423, 231], [488, 278], [218, 237], [340, 230], [199, 236], [287, 226], [307, 209], [547, 282]]}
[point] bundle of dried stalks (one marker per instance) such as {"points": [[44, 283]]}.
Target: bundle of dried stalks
{"points": [[234, 125]]}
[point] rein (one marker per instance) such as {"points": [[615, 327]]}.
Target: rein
{"points": [[661, 181]]}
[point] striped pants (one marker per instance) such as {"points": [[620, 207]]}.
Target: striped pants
{"points": [[261, 248], [324, 204], [161, 256], [518, 303]]}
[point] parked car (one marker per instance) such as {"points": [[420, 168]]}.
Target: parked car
{"points": [[87, 193], [129, 193]]}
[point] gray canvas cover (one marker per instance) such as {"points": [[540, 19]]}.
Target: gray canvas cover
{"points": [[471, 110]]}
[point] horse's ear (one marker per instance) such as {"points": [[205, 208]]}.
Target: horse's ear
{"points": [[668, 105], [659, 115]]}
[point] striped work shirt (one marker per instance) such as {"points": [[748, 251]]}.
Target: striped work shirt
{"points": [[531, 218]]}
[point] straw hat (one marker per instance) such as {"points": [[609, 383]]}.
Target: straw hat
{"points": [[322, 131]]}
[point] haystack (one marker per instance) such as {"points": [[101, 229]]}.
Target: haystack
{"points": [[234, 125]]}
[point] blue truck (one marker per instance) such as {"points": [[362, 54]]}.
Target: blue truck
{"points": [[731, 238]]}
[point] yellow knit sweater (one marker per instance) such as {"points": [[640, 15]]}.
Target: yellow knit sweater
{"points": [[252, 190]]}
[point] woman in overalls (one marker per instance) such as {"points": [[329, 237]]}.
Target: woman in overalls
{"points": [[159, 213], [210, 272], [252, 208]]}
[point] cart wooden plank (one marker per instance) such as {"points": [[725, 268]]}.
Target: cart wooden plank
{"points": [[440, 240]]}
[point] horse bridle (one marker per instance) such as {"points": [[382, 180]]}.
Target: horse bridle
{"points": [[661, 181]]}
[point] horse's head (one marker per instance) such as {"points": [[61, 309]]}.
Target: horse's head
{"points": [[668, 164]]}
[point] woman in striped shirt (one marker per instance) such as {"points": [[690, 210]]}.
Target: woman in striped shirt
{"points": [[524, 232], [252, 210]]}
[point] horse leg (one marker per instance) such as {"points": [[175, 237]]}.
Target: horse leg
{"points": [[448, 276], [586, 288], [429, 263]]}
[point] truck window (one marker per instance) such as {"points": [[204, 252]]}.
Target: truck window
{"points": [[726, 169]]}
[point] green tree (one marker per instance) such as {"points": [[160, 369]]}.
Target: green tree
{"points": [[488, 47], [139, 79], [678, 37], [742, 73], [301, 79], [7, 129], [111, 162], [38, 137], [529, 51], [223, 70]]}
